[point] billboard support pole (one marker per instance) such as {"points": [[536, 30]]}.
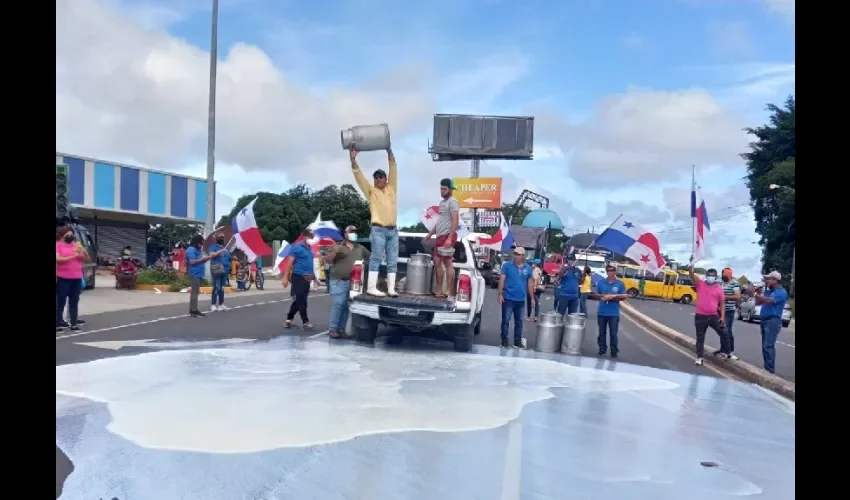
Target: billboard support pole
{"points": [[474, 172]]}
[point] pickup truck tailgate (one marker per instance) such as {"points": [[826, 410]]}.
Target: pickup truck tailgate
{"points": [[408, 301]]}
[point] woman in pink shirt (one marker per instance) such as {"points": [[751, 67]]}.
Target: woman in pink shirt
{"points": [[69, 276], [711, 312]]}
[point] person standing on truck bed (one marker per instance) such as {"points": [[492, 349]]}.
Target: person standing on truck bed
{"points": [[569, 280], [446, 231], [382, 197], [299, 265], [516, 282], [341, 259]]}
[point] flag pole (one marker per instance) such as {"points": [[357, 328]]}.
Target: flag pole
{"points": [[600, 234], [693, 213]]}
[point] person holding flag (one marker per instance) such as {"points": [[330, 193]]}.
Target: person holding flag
{"points": [[299, 265], [342, 258], [383, 236]]}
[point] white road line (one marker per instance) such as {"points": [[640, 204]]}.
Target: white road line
{"points": [[169, 318], [318, 335], [786, 345]]}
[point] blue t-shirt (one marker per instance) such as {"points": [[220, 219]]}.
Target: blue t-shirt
{"points": [[195, 270], [569, 283], [609, 307], [774, 310], [516, 281], [223, 259], [303, 259]]}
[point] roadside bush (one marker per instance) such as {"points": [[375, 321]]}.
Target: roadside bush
{"points": [[170, 277]]}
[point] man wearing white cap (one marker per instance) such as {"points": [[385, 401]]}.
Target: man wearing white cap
{"points": [[772, 304]]}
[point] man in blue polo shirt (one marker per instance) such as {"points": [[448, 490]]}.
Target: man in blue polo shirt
{"points": [[772, 304], [569, 279], [516, 282], [610, 292]]}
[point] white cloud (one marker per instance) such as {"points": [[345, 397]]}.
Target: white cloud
{"points": [[731, 38]]}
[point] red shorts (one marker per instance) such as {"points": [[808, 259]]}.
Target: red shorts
{"points": [[441, 240]]}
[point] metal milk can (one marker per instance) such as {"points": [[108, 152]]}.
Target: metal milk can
{"points": [[417, 280], [574, 326], [550, 330], [366, 137]]}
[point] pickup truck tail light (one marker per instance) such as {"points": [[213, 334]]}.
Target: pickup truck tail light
{"points": [[356, 277], [464, 288]]}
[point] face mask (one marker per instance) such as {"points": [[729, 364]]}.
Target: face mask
{"points": [[312, 241], [710, 279], [68, 239], [571, 263], [352, 236]]}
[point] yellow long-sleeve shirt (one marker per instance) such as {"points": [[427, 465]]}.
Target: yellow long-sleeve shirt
{"points": [[383, 203]]}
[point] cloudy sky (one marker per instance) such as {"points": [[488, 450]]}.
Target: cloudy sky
{"points": [[627, 95]]}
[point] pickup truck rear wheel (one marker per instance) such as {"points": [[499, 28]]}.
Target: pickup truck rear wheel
{"points": [[463, 337], [366, 328]]}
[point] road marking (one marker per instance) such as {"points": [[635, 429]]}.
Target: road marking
{"points": [[169, 318], [786, 345], [119, 344], [318, 335]]}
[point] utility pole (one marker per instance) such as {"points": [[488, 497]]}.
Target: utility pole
{"points": [[210, 220], [475, 172]]}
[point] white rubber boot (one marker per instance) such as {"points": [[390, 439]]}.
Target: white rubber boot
{"points": [[391, 285], [372, 288]]}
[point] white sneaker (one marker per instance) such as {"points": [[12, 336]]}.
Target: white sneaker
{"points": [[213, 308], [223, 307], [698, 362], [732, 356]]}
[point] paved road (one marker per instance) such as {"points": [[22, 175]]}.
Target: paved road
{"points": [[747, 335], [260, 317]]}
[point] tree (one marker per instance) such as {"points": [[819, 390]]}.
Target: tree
{"points": [[771, 160], [283, 216], [418, 228], [166, 236]]}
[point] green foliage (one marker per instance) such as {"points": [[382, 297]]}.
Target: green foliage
{"points": [[164, 236], [771, 160], [283, 216], [418, 228], [174, 280]]}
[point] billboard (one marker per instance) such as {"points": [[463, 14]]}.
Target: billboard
{"points": [[466, 137], [480, 192], [489, 218]]}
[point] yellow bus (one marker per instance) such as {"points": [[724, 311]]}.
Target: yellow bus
{"points": [[667, 284]]}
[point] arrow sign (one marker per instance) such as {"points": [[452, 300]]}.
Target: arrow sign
{"points": [[118, 344]]}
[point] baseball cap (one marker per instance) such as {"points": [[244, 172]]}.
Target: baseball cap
{"points": [[774, 274], [448, 183], [379, 173], [727, 271], [519, 251]]}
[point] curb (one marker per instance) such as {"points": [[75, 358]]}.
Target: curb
{"points": [[739, 368], [206, 290]]}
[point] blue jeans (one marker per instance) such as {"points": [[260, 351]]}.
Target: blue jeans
{"points": [[512, 308], [769, 333], [567, 305], [339, 306], [612, 325], [582, 303], [218, 289], [383, 241]]}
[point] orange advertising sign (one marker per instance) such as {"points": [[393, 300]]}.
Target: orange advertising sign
{"points": [[481, 192]]}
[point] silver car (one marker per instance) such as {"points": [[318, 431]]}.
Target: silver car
{"points": [[750, 311]]}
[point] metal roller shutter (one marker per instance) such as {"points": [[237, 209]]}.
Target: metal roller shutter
{"points": [[111, 238]]}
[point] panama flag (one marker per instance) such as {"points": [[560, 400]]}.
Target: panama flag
{"points": [[502, 240], [702, 227], [429, 218], [247, 235], [325, 229], [280, 264], [626, 238]]}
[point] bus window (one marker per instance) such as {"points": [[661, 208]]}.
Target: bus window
{"points": [[620, 271], [630, 273]]}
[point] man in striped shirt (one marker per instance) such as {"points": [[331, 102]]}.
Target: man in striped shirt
{"points": [[732, 295]]}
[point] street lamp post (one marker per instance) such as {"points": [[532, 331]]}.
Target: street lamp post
{"points": [[210, 220], [774, 187]]}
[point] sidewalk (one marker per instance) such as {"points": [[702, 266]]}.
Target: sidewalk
{"points": [[105, 298]]}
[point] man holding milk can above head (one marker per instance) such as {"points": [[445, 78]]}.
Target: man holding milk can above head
{"points": [[384, 234]]}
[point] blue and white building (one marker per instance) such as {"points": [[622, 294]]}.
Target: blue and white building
{"points": [[118, 203]]}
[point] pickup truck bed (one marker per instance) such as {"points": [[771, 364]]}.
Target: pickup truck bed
{"points": [[407, 300]]}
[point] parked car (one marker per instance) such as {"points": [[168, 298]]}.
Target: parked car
{"points": [[750, 311]]}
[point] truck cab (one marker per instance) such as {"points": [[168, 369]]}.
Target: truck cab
{"points": [[457, 321]]}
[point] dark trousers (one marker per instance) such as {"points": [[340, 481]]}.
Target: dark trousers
{"points": [[730, 321], [567, 305], [702, 324], [582, 303], [512, 308], [770, 328], [68, 292], [300, 290], [528, 307], [608, 326]]}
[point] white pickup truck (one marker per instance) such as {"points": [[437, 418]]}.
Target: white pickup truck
{"points": [[457, 321]]}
